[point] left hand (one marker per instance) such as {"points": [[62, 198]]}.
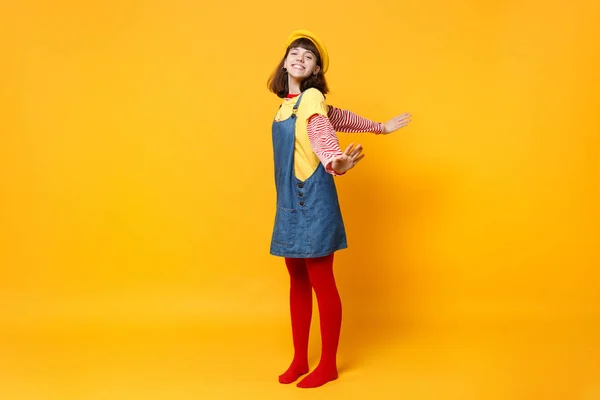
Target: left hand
{"points": [[396, 123]]}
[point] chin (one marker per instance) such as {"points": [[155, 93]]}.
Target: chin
{"points": [[299, 76]]}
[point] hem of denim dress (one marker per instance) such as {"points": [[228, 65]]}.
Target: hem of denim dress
{"points": [[310, 255]]}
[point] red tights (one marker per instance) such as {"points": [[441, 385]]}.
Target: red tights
{"points": [[306, 274]]}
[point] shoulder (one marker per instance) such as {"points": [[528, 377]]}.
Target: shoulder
{"points": [[313, 95]]}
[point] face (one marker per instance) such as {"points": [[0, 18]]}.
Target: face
{"points": [[301, 63]]}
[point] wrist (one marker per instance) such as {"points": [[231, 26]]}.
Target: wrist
{"points": [[330, 169]]}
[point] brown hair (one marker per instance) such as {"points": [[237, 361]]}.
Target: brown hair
{"points": [[278, 81]]}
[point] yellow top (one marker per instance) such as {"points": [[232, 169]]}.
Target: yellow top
{"points": [[313, 102]]}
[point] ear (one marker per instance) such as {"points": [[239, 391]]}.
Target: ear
{"points": [[317, 69]]}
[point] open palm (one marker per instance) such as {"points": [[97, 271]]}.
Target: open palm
{"points": [[396, 123], [349, 158]]}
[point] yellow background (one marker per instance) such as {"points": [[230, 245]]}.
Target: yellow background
{"points": [[137, 199]]}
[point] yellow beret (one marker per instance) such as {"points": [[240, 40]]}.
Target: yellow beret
{"points": [[303, 33]]}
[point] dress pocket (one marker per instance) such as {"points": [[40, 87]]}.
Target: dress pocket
{"points": [[286, 224]]}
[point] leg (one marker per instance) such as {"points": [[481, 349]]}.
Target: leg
{"points": [[301, 313], [320, 271]]}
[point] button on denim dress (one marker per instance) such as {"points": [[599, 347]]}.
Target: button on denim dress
{"points": [[308, 219]]}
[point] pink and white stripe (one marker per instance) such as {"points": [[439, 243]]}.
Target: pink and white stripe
{"points": [[346, 121], [322, 133]]}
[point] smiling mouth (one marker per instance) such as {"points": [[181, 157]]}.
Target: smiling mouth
{"points": [[298, 66]]}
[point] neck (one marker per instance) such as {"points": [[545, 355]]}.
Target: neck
{"points": [[293, 85]]}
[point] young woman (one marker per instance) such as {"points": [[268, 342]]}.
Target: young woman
{"points": [[309, 227]]}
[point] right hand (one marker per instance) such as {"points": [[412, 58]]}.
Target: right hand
{"points": [[348, 159]]}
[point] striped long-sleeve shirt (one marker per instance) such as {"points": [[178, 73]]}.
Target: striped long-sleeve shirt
{"points": [[322, 132]]}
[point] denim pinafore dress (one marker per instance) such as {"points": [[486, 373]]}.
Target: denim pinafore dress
{"points": [[308, 219]]}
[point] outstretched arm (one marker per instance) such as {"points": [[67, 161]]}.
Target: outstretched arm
{"points": [[347, 121], [326, 146]]}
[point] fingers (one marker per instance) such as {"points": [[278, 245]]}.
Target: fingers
{"points": [[402, 120], [406, 117], [356, 156], [356, 151], [349, 149], [349, 158], [352, 151], [397, 122]]}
